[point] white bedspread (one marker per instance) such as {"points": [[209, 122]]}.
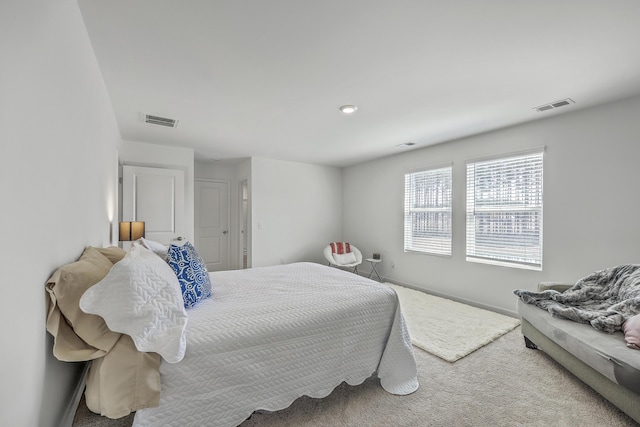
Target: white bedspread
{"points": [[270, 335]]}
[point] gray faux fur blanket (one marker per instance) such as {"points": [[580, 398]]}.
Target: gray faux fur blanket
{"points": [[605, 299]]}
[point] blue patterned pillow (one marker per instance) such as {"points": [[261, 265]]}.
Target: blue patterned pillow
{"points": [[192, 273]]}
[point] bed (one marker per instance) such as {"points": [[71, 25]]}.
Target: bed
{"points": [[265, 337]]}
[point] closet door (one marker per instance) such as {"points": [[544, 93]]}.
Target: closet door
{"points": [[212, 223], [155, 196]]}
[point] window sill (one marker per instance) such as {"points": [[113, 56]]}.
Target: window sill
{"points": [[505, 263]]}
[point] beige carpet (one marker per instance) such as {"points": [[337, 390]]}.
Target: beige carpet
{"points": [[502, 384], [449, 329]]}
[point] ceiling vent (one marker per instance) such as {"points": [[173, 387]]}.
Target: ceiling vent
{"points": [[556, 104], [157, 120]]}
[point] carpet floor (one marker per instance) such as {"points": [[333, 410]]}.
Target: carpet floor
{"points": [[501, 384]]}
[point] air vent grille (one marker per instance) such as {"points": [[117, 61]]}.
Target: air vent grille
{"points": [[556, 104], [162, 121]]}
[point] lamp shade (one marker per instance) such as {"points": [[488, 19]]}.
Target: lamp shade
{"points": [[131, 230]]}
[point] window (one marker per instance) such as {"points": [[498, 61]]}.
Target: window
{"points": [[504, 211], [427, 211]]}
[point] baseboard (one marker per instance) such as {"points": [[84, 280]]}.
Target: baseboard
{"points": [[74, 402], [455, 298]]}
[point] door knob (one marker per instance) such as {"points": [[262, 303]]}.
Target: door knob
{"points": [[224, 232]]}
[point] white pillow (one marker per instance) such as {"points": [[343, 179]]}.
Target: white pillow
{"points": [[343, 259], [156, 247], [141, 297]]}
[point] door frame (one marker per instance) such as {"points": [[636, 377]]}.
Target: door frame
{"points": [[247, 229], [229, 222]]}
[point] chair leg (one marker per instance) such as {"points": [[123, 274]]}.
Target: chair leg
{"points": [[355, 270]]}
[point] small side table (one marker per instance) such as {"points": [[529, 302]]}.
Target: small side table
{"points": [[373, 268]]}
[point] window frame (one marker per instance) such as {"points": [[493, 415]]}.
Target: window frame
{"points": [[525, 213], [433, 246]]}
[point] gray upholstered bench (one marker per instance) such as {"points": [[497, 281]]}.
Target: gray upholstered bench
{"points": [[600, 360]]}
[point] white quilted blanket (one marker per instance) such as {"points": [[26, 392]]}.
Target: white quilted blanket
{"points": [[270, 335]]}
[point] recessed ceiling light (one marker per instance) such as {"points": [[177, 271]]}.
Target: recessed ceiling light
{"points": [[348, 109]]}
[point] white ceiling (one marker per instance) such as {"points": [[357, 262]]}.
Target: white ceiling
{"points": [[266, 78]]}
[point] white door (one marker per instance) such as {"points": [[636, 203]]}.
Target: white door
{"points": [[212, 223], [155, 196]]}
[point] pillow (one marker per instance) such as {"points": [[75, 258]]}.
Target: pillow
{"points": [[340, 247], [65, 288], [113, 253], [191, 272], [141, 297], [631, 329], [156, 247], [342, 259]]}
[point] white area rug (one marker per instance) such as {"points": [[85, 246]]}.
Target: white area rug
{"points": [[449, 329]]}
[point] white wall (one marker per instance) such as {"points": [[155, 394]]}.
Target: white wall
{"points": [[58, 170], [591, 204], [135, 153], [296, 210]]}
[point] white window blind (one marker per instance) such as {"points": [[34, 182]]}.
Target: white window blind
{"points": [[427, 211], [504, 211]]}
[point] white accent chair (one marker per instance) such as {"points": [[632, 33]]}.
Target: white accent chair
{"points": [[350, 260]]}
